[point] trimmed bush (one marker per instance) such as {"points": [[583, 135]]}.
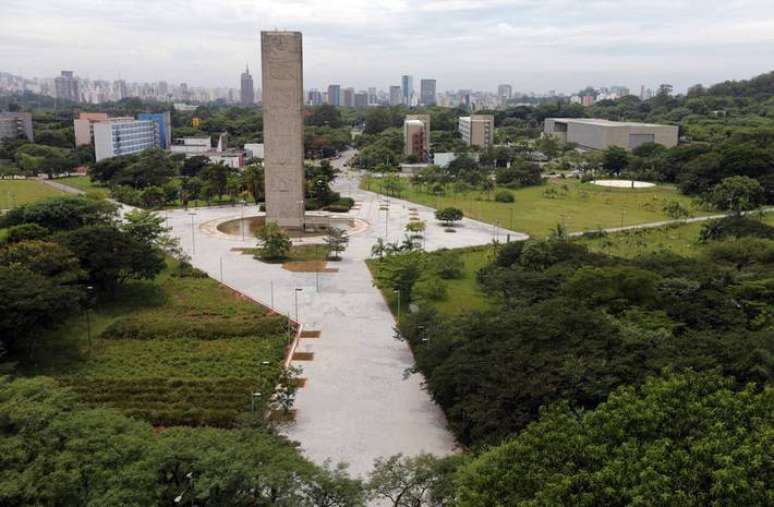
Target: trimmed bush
{"points": [[504, 196]]}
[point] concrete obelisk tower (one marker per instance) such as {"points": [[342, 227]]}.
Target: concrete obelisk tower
{"points": [[283, 127]]}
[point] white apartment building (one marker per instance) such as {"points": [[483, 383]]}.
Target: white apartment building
{"points": [[124, 137], [477, 130]]}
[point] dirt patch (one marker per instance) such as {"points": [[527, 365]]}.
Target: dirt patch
{"points": [[310, 334], [299, 382], [303, 356], [305, 266], [283, 416]]}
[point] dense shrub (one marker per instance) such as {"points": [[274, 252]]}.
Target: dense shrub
{"points": [[504, 196], [25, 232], [735, 227]]}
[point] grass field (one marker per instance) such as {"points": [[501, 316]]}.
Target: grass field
{"points": [[537, 210], [681, 239], [84, 183], [175, 351], [464, 293], [17, 192]]}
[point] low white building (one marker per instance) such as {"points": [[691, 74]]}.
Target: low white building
{"points": [[254, 150], [125, 137], [597, 134]]}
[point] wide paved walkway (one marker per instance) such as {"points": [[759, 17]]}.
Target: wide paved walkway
{"points": [[356, 404]]}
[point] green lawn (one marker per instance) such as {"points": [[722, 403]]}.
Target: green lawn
{"points": [[84, 183], [681, 239], [173, 351], [464, 293], [17, 192], [537, 210]]}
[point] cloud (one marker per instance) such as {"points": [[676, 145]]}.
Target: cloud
{"points": [[534, 44]]}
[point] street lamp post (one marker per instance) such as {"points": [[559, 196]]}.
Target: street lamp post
{"points": [[193, 234], [295, 294]]}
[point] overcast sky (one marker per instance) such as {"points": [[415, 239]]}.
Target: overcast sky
{"points": [[536, 45]]}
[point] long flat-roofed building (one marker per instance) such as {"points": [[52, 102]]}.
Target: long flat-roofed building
{"points": [[124, 137], [599, 134], [477, 130]]}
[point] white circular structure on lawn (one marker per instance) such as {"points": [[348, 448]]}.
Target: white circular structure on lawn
{"points": [[623, 183]]}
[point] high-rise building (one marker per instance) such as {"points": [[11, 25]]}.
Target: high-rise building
{"points": [[665, 89], [348, 97], [372, 98], [163, 90], [13, 125], [164, 122], [83, 126], [247, 92], [124, 137], [314, 97], [67, 86], [416, 136], [120, 90], [407, 90], [427, 92], [504, 93], [334, 95], [477, 130], [395, 95], [361, 100]]}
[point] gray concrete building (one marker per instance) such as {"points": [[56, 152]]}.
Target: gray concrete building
{"points": [[395, 95], [407, 90], [67, 86], [427, 92], [334, 95], [283, 126], [246, 90], [596, 134], [13, 125]]}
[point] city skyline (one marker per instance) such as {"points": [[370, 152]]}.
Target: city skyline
{"points": [[554, 44]]}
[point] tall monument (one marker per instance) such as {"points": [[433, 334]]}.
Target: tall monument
{"points": [[283, 127]]}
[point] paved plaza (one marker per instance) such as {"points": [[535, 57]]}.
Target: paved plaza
{"points": [[356, 404]]}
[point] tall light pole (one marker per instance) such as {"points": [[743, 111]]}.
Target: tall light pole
{"points": [[193, 234], [295, 294], [242, 221]]}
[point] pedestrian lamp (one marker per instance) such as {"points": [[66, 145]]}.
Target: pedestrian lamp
{"points": [[295, 294]]}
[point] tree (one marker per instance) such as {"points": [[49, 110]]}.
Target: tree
{"points": [[615, 160], [25, 232], [337, 240], [378, 249], [449, 216], [62, 213], [64, 453], [324, 115], [110, 256], [275, 243], [31, 301], [406, 481], [148, 228], [448, 264], [51, 260], [643, 443], [401, 271], [738, 194], [150, 168], [676, 211]]}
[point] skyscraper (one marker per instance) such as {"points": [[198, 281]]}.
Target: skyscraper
{"points": [[427, 92], [348, 97], [504, 92], [407, 89], [361, 100], [395, 97], [67, 87], [334, 95], [247, 92]]}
